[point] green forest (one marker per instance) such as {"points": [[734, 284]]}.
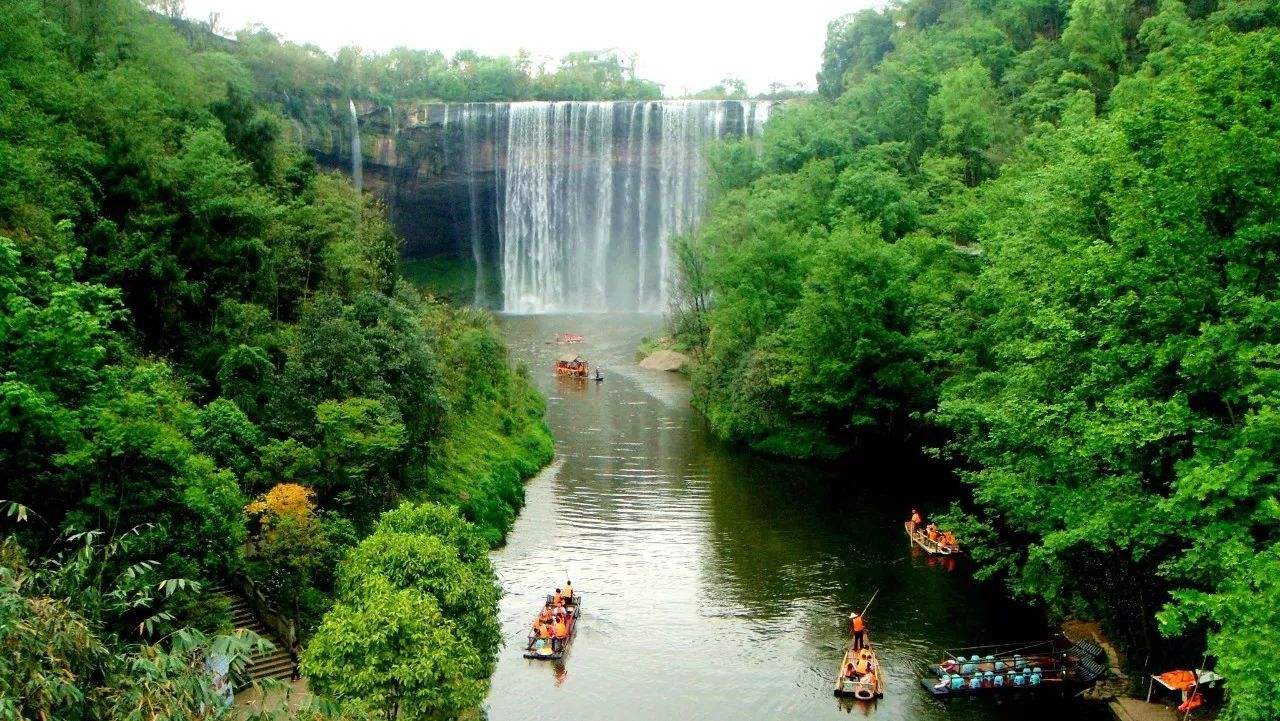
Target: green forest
{"points": [[1040, 238], [213, 373], [295, 76]]}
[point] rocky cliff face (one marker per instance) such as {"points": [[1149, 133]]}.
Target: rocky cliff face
{"points": [[413, 162]]}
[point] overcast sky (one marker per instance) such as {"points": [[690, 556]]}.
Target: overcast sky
{"points": [[683, 44]]}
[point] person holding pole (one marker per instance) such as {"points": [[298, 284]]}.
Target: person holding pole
{"points": [[858, 627]]}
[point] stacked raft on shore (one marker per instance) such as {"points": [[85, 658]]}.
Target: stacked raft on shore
{"points": [[543, 649], [1053, 666]]}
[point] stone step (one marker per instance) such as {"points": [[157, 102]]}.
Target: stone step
{"points": [[275, 666]]}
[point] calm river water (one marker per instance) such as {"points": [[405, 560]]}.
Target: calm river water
{"points": [[716, 583]]}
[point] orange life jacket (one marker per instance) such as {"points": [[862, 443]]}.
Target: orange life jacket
{"points": [[557, 599], [862, 667], [545, 615], [916, 519], [858, 625], [561, 629], [544, 630]]}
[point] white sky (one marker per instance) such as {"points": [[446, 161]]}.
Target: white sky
{"points": [[683, 44]]}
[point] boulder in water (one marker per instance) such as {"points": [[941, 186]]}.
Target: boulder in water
{"points": [[665, 360]]}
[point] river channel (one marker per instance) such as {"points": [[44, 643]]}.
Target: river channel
{"points": [[717, 582]]}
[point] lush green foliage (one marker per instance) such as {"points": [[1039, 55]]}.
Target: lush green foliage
{"points": [[62, 658], [421, 581], [191, 316], [306, 74], [1042, 234]]}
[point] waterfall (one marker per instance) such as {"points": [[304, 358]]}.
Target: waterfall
{"points": [[357, 159], [570, 206], [470, 148], [391, 163]]}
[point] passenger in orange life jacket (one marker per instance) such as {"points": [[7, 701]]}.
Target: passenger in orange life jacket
{"points": [[561, 633], [557, 598], [916, 520]]}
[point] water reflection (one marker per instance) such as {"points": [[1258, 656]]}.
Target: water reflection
{"points": [[716, 583]]}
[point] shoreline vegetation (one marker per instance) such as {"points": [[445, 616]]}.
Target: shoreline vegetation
{"points": [[213, 370], [1036, 239]]}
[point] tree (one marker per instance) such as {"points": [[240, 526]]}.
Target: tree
{"points": [[465, 593], [1095, 39], [969, 118], [393, 652], [360, 444], [855, 44]]}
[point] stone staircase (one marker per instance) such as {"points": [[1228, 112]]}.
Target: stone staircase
{"points": [[277, 664]]}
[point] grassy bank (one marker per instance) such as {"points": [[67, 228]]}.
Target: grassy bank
{"points": [[489, 449]]}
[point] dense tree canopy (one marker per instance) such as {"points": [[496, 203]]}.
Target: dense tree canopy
{"points": [[298, 74]]}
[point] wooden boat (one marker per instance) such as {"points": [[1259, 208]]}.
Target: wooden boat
{"points": [[572, 365], [921, 539], [547, 652], [568, 338], [856, 688], [1055, 666]]}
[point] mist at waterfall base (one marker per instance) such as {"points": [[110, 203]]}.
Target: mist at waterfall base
{"points": [[560, 206]]}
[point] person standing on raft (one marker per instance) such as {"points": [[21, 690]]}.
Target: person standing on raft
{"points": [[858, 627]]}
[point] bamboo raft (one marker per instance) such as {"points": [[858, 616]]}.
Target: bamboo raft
{"points": [[862, 690], [921, 539], [547, 652]]}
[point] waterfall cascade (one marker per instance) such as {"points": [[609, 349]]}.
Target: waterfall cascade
{"points": [[593, 193], [357, 159], [568, 206]]}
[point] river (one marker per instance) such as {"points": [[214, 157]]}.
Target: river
{"points": [[717, 582]]}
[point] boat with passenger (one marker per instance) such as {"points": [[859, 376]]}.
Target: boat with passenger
{"points": [[859, 674], [573, 366], [929, 537], [555, 625], [1055, 666], [568, 338]]}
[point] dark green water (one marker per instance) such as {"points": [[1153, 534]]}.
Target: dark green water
{"points": [[717, 582]]}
